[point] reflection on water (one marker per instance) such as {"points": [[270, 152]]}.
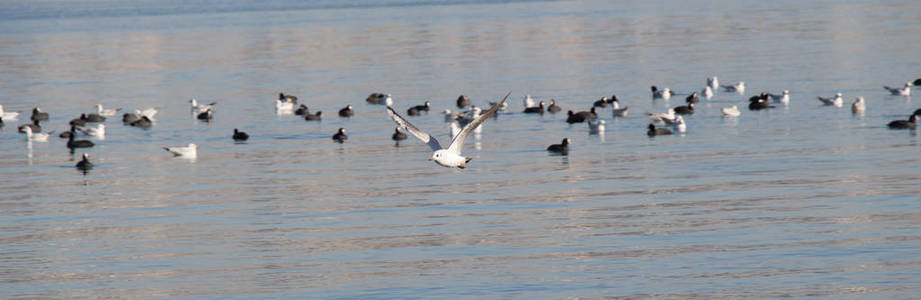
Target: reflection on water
{"points": [[799, 201]]}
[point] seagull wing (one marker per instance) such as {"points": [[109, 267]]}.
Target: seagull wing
{"points": [[425, 137], [458, 141]]}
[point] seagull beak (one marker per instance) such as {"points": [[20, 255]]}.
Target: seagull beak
{"points": [[431, 159]]}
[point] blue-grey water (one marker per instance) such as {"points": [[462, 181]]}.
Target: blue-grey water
{"points": [[800, 201]]}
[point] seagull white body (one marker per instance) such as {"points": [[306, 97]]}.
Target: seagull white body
{"points": [[617, 110], [450, 156], [782, 98], [595, 125], [8, 115], [667, 118], [200, 108], [528, 101], [859, 106], [190, 151], [732, 111], [713, 83], [36, 137], [284, 107], [738, 87], [707, 92], [904, 91], [106, 112], [679, 124], [837, 101], [98, 131], [149, 113], [664, 94]]}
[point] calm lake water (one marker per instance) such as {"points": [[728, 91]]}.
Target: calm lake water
{"points": [[802, 201]]}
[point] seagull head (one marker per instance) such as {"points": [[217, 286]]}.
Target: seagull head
{"points": [[440, 157]]}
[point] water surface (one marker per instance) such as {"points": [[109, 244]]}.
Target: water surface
{"points": [[801, 201]]}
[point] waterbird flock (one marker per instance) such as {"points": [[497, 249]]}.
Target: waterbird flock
{"points": [[461, 123]]}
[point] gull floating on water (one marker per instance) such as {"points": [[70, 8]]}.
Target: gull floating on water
{"points": [[596, 125], [667, 118], [284, 107], [149, 113], [663, 94], [738, 87], [713, 83], [106, 112], [528, 102], [36, 137], [732, 111], [679, 124], [8, 115], [199, 108], [782, 98], [617, 110], [190, 151], [707, 92], [904, 91], [837, 101], [859, 106], [451, 156], [98, 131]]}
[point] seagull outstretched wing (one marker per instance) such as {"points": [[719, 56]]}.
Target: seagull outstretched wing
{"points": [[458, 141], [425, 137]]}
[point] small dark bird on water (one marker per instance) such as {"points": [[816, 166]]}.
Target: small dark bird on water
{"points": [[416, 110], [553, 108], [759, 102], [340, 136], [93, 118], [71, 143], [78, 121], [693, 98], [69, 133], [653, 131], [603, 102], [38, 115], [287, 98], [561, 148], [129, 118], [347, 111], [398, 135], [36, 128], [313, 117], [581, 116], [239, 135], [378, 98], [142, 122], [463, 101], [84, 164], [904, 124], [301, 110], [206, 115], [539, 109], [685, 109]]}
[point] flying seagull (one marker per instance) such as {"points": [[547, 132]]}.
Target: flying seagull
{"points": [[451, 156]]}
